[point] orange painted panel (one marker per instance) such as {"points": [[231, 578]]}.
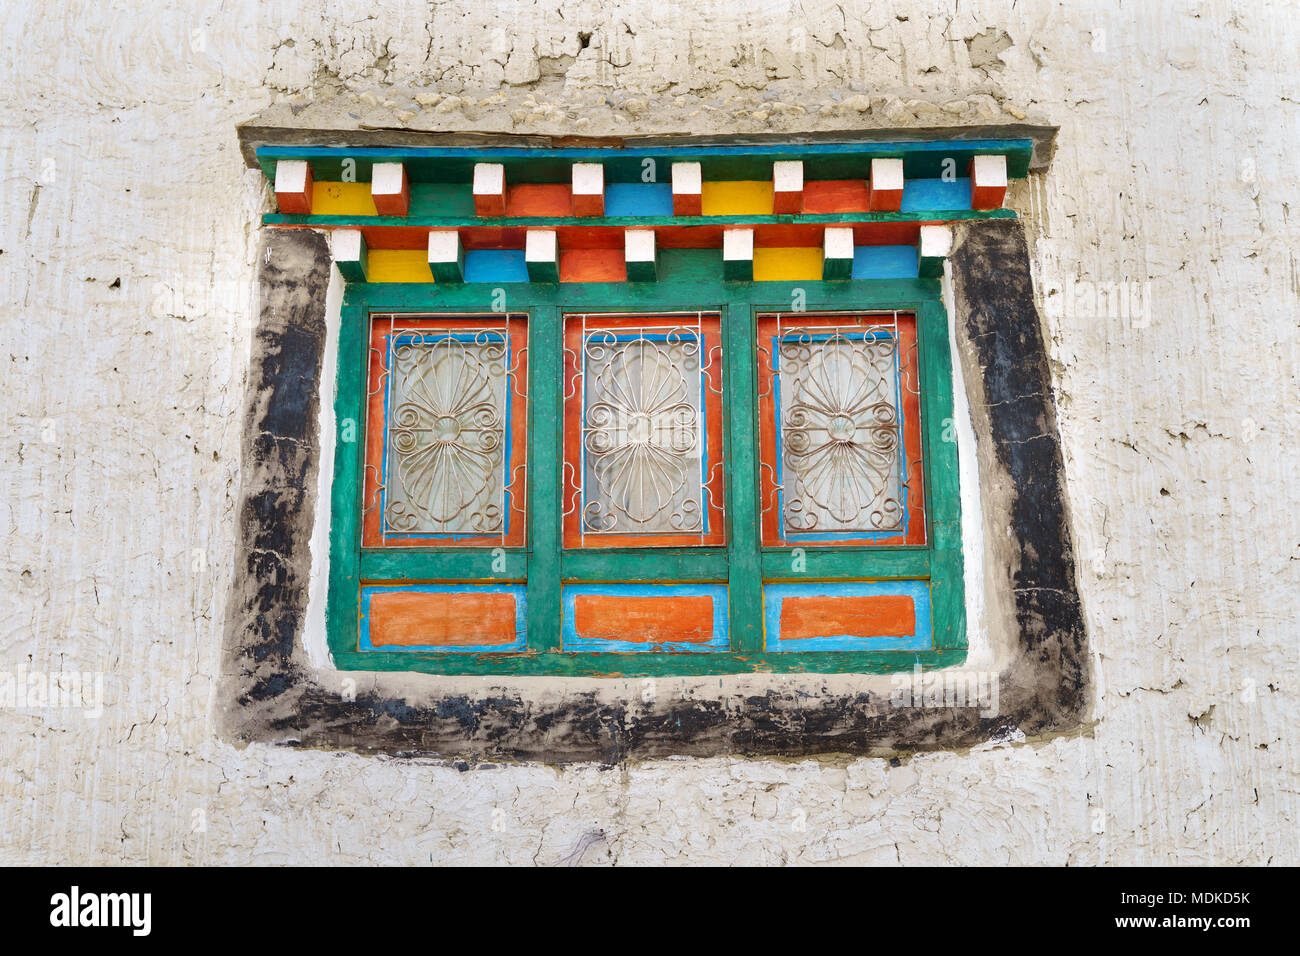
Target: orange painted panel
{"points": [[539, 199], [889, 615], [644, 620], [823, 197], [593, 265], [447, 620]]}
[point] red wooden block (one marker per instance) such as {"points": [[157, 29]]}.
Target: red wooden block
{"points": [[886, 186], [688, 198], [489, 189], [988, 182], [787, 187], [445, 620], [588, 189], [293, 184], [644, 620], [390, 189]]}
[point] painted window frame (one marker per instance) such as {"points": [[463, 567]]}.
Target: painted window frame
{"points": [[689, 281]]}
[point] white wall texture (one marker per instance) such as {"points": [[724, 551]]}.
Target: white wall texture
{"points": [[129, 228]]}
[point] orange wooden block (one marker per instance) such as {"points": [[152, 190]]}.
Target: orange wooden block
{"points": [[823, 197], [593, 265], [823, 616], [644, 620], [988, 181], [539, 199], [886, 185], [414, 618], [489, 189], [390, 189]]}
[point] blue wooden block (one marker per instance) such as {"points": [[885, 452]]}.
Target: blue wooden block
{"points": [[926, 195], [638, 199], [495, 265], [884, 262]]}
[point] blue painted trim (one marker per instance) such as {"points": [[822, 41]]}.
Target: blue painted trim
{"points": [[638, 199], [774, 593], [720, 641], [935, 194], [884, 262], [520, 592], [496, 265]]}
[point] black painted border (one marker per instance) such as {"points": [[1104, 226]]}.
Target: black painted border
{"points": [[269, 693]]}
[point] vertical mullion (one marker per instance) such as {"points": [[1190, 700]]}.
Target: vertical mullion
{"points": [[545, 464], [942, 477], [740, 402], [347, 492]]}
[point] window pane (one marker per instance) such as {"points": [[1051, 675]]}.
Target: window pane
{"points": [[841, 438], [643, 431], [445, 440]]}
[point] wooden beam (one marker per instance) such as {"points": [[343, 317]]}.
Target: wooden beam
{"points": [[639, 252], [446, 256], [688, 188], [837, 253], [588, 189], [787, 187], [390, 189], [348, 247], [542, 255], [886, 186], [738, 255], [988, 181], [293, 187], [932, 247], [489, 189]]}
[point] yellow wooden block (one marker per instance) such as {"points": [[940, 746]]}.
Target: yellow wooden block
{"points": [[342, 199], [793, 264], [741, 197], [399, 265]]}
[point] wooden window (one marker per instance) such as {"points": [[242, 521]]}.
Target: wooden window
{"points": [[677, 477]]}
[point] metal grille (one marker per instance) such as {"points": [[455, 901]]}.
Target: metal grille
{"points": [[839, 397], [643, 466], [446, 456]]}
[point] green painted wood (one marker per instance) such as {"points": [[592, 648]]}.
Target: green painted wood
{"points": [[642, 270], [650, 665], [543, 270], [545, 466], [821, 564], [837, 268], [341, 616], [689, 281], [462, 564], [947, 592], [921, 160], [738, 270], [630, 222], [740, 404], [649, 564], [929, 267]]}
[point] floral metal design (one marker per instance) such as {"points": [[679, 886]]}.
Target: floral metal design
{"points": [[840, 434], [446, 434], [641, 432]]}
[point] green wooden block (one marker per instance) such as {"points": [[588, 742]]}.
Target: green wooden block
{"points": [[542, 255], [446, 256], [350, 254], [837, 253]]}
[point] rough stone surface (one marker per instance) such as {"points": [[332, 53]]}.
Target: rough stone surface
{"points": [[128, 234]]}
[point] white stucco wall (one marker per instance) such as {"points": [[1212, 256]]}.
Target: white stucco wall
{"points": [[128, 231]]}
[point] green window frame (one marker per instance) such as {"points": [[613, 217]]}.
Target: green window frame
{"points": [[690, 281]]}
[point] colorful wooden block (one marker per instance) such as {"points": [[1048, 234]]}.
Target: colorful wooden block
{"points": [[988, 177], [645, 618], [489, 189], [293, 187], [837, 253], [640, 254], [687, 185], [446, 256], [886, 185], [787, 187], [542, 255], [588, 189], [390, 189], [738, 254], [848, 616], [348, 247], [787, 264], [495, 265], [932, 247], [452, 618]]}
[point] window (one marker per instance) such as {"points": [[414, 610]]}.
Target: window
{"points": [[672, 478]]}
